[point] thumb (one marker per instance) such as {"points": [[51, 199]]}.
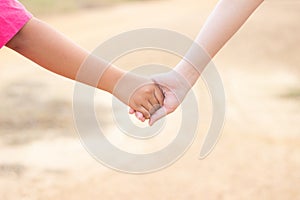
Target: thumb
{"points": [[160, 113]]}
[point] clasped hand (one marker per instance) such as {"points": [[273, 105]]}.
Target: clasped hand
{"points": [[156, 96]]}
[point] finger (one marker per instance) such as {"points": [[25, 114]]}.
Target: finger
{"points": [[148, 106], [131, 111], [140, 116], [160, 113], [155, 104], [154, 109], [153, 101], [159, 95], [144, 111]]}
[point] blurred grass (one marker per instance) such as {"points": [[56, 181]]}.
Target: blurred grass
{"points": [[293, 93], [47, 7]]}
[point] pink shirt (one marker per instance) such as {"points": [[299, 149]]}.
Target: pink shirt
{"points": [[13, 16]]}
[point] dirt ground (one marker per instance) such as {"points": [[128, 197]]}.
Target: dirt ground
{"points": [[257, 157]]}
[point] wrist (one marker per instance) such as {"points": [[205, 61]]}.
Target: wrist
{"points": [[123, 84], [193, 63], [188, 72], [110, 78]]}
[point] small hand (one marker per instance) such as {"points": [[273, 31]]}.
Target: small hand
{"points": [[140, 93], [146, 100], [174, 88]]}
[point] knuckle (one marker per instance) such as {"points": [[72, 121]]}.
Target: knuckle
{"points": [[148, 90], [147, 115]]}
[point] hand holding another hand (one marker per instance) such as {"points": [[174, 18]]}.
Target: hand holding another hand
{"points": [[140, 93], [174, 88]]}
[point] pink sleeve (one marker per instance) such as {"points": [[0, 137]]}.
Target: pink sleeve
{"points": [[13, 16]]}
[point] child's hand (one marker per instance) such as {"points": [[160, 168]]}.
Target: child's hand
{"points": [[141, 94], [174, 88], [146, 100]]}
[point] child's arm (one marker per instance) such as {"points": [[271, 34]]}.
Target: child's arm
{"points": [[53, 51]]}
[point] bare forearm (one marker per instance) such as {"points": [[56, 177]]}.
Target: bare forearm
{"points": [[225, 20], [50, 49]]}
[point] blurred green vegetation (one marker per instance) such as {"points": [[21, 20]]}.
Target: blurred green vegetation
{"points": [[293, 93], [46, 7]]}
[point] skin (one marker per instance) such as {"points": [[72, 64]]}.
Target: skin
{"points": [[50, 49], [224, 21]]}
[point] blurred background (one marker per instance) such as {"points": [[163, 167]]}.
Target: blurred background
{"points": [[257, 157]]}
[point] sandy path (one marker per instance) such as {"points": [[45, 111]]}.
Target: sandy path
{"points": [[257, 157]]}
